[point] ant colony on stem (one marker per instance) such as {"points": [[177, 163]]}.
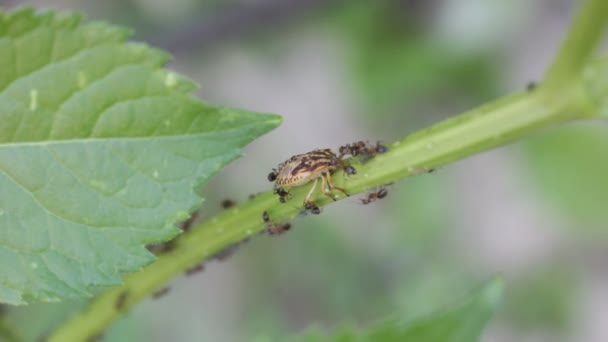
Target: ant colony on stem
{"points": [[319, 164]]}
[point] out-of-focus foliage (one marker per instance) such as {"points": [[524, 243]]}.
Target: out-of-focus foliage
{"points": [[461, 323], [399, 66], [552, 292], [569, 166]]}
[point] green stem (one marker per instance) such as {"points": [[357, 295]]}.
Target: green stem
{"points": [[488, 126], [583, 36]]}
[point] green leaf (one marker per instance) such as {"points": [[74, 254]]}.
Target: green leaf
{"points": [[100, 152], [464, 321]]}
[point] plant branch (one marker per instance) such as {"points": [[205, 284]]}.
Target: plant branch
{"points": [[488, 126], [583, 36]]}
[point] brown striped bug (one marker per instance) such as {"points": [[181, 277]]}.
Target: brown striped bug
{"points": [[303, 168]]}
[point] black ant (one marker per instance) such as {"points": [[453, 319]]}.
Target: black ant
{"points": [[274, 228], [363, 149], [375, 195], [195, 269], [313, 208], [283, 194], [228, 203], [161, 292], [119, 304]]}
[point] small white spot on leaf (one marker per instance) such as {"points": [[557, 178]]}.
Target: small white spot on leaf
{"points": [[34, 265], [155, 174]]}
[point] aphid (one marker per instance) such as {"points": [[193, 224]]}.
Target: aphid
{"points": [[228, 203], [198, 268], [375, 195], [160, 293], [120, 300], [311, 166]]}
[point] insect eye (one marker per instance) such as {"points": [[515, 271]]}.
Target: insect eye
{"points": [[272, 176]]}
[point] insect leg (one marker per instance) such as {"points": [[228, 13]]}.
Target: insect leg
{"points": [[314, 185], [331, 185], [324, 188]]}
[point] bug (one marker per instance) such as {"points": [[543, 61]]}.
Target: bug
{"points": [[312, 166], [375, 195], [274, 228], [121, 300], [313, 208], [363, 149], [226, 252], [160, 293], [195, 269], [228, 203]]}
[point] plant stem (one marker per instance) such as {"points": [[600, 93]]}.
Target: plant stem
{"points": [[568, 97], [583, 36], [491, 125]]}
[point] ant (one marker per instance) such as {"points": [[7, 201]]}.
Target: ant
{"points": [[195, 269], [274, 228], [160, 293], [228, 203], [374, 196], [363, 149]]}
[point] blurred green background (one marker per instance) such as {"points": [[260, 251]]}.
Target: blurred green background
{"points": [[340, 71]]}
